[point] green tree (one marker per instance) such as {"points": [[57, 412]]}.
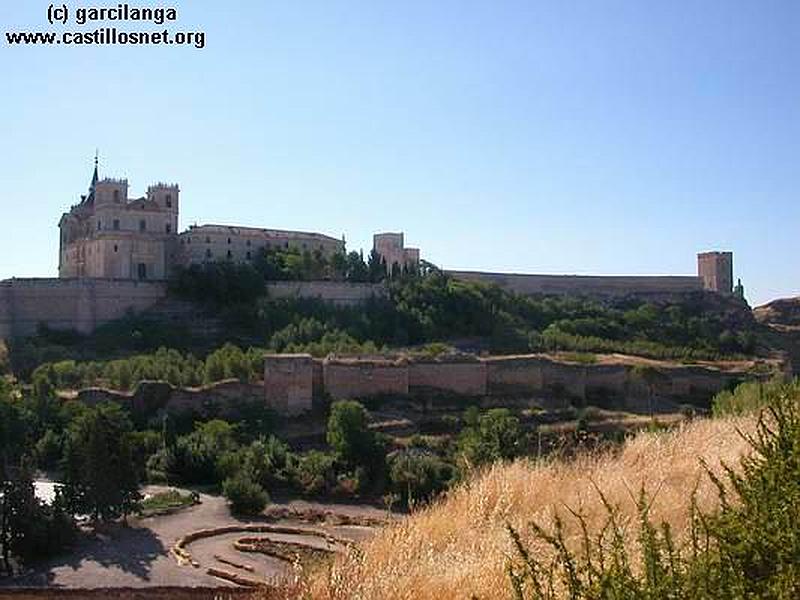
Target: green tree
{"points": [[348, 433], [100, 470], [496, 436]]}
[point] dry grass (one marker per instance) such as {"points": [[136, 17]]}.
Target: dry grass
{"points": [[458, 548]]}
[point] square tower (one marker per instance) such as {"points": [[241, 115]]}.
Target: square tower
{"points": [[716, 270]]}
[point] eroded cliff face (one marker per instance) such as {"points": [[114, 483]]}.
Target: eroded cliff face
{"points": [[780, 321]]}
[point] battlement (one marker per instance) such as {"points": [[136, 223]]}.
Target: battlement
{"points": [[164, 186]]}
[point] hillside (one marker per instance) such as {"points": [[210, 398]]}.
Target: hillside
{"points": [[780, 320], [783, 313], [459, 547]]}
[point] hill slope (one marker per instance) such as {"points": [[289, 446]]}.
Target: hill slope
{"points": [[458, 548]]}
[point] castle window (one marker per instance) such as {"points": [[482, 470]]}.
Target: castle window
{"points": [[116, 224], [229, 240], [168, 200], [286, 244], [99, 225], [168, 228], [116, 196], [208, 253], [142, 225], [116, 248], [208, 240], [188, 240], [248, 243], [230, 254], [249, 256], [142, 271]]}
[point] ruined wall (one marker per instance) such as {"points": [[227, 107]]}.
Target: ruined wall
{"points": [[466, 378], [346, 379], [217, 399], [588, 285], [336, 292], [289, 382], [80, 304]]}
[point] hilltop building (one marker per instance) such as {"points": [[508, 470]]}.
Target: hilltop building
{"points": [[110, 236], [116, 252], [716, 270], [391, 248]]}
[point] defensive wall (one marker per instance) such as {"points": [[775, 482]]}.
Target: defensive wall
{"points": [[218, 399], [616, 382], [654, 287], [84, 304], [79, 304]]}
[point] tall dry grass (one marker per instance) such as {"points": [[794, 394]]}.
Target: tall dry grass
{"points": [[458, 548]]}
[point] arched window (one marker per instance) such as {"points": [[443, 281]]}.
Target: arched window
{"points": [[116, 196], [168, 200]]}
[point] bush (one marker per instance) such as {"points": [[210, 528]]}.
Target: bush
{"points": [[315, 473], [497, 435], [245, 496], [418, 476], [750, 396]]}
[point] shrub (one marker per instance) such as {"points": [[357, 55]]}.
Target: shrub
{"points": [[418, 476], [245, 496], [496, 435], [750, 396], [315, 472]]}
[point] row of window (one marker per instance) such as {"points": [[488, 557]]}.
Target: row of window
{"points": [[268, 245], [142, 226], [210, 254]]}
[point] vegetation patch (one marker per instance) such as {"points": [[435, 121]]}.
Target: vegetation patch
{"points": [[164, 503]]}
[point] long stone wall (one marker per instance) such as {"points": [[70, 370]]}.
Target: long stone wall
{"points": [[85, 304], [625, 383], [345, 379], [588, 285], [79, 304]]}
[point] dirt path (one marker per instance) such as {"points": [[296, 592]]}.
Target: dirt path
{"points": [[139, 556]]}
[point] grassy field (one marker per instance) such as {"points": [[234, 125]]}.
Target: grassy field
{"points": [[460, 546]]}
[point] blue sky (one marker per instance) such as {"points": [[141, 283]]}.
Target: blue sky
{"points": [[602, 137]]}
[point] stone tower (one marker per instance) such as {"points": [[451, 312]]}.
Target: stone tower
{"points": [[716, 270]]}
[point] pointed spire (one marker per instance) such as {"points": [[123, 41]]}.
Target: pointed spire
{"points": [[95, 178]]}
